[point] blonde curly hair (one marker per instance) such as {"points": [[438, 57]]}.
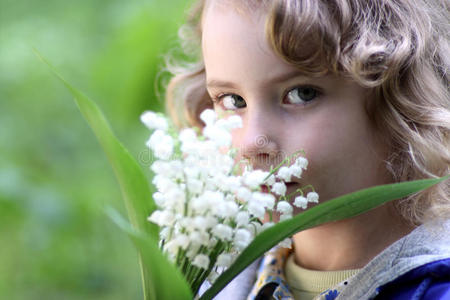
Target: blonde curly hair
{"points": [[399, 49]]}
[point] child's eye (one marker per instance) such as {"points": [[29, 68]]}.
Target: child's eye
{"points": [[301, 95], [232, 101]]}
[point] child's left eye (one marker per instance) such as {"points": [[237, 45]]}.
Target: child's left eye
{"points": [[301, 95]]}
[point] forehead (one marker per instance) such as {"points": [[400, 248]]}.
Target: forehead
{"points": [[221, 20], [219, 9], [235, 46], [240, 6]]}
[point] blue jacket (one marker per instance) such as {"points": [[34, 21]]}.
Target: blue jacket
{"points": [[428, 282]]}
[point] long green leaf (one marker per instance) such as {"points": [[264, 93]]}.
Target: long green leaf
{"points": [[132, 181], [343, 207], [166, 281]]}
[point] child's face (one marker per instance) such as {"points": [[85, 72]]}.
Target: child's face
{"points": [[283, 111]]}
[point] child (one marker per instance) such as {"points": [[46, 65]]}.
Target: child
{"points": [[362, 87]]}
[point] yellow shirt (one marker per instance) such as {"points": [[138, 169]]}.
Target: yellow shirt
{"points": [[305, 284]]}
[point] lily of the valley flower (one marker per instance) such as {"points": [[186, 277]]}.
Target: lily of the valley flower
{"points": [[208, 213]]}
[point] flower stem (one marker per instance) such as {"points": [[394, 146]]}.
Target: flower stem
{"points": [[308, 186], [295, 192]]}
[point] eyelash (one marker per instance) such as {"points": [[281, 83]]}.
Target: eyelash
{"points": [[317, 92]]}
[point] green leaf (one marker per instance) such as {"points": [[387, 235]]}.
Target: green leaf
{"points": [[343, 207], [132, 181], [165, 280]]}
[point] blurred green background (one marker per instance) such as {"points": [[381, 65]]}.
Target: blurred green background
{"points": [[56, 242]]}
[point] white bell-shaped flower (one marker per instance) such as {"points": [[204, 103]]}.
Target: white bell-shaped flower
{"points": [[161, 144], [166, 218], [182, 240], [296, 171], [242, 218], [201, 261], [301, 202], [279, 188], [312, 197], [284, 173], [221, 137], [155, 217], [301, 162], [256, 208], [194, 186], [159, 199], [284, 207], [187, 135], [244, 194], [223, 232], [154, 121], [254, 179], [224, 260], [199, 238], [208, 116], [234, 122], [242, 238]]}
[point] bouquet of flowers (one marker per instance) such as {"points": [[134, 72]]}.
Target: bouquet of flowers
{"points": [[208, 212], [205, 216]]}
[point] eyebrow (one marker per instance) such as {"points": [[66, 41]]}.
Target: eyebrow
{"points": [[216, 83]]}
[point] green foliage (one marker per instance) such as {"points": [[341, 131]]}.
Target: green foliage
{"points": [[56, 242], [132, 181], [164, 280], [161, 280]]}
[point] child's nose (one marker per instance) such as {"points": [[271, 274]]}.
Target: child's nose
{"points": [[259, 139]]}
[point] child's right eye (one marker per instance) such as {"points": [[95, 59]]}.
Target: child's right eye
{"points": [[232, 101]]}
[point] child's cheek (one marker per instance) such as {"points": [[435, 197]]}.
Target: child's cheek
{"points": [[343, 154]]}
